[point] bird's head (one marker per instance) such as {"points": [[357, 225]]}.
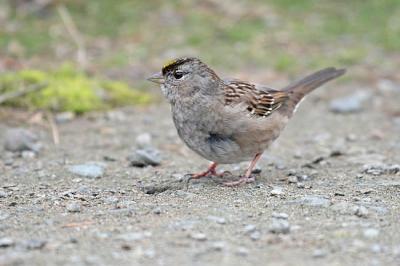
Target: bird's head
{"points": [[185, 77]]}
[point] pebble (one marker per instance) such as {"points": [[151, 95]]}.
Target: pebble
{"points": [[64, 117], [292, 179], [280, 215], [249, 228], [6, 242], [361, 211], [111, 200], [143, 141], [115, 115], [300, 185], [4, 215], [351, 103], [279, 226], [380, 169], [3, 194], [198, 236], [89, 170], [376, 248], [73, 207], [319, 253], [33, 244], [218, 220], [256, 235], [145, 157], [218, 246], [242, 251], [20, 139], [371, 233], [314, 201], [157, 210], [277, 191], [343, 207], [134, 236], [28, 154]]}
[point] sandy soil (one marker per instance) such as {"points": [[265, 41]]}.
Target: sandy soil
{"points": [[336, 213]]}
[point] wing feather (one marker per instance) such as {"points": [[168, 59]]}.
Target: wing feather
{"points": [[259, 102]]}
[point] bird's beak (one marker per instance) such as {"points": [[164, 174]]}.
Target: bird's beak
{"points": [[156, 78]]}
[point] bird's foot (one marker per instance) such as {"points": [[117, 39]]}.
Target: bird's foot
{"points": [[242, 180]]}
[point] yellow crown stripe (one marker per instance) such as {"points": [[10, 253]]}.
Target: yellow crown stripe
{"points": [[170, 63]]}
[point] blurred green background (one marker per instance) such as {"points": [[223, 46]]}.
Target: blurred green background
{"points": [[128, 39]]}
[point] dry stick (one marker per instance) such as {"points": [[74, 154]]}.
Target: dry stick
{"points": [[75, 35], [54, 129], [15, 94]]}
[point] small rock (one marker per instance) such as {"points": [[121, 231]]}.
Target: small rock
{"points": [[292, 179], [111, 200], [249, 228], [339, 193], [300, 185], [33, 244], [279, 226], [280, 215], [145, 157], [157, 210], [28, 154], [218, 220], [218, 246], [143, 141], [361, 211], [6, 242], [134, 236], [314, 201], [3, 194], [4, 215], [116, 115], [257, 170], [64, 117], [371, 233], [277, 191], [380, 169], [255, 235], [242, 251], [351, 103], [198, 236], [109, 158], [89, 170], [376, 248], [19, 139], [387, 85], [319, 253], [343, 207], [74, 207], [366, 190], [302, 178]]}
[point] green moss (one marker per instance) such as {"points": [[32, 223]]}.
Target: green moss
{"points": [[70, 90]]}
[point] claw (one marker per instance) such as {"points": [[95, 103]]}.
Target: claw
{"points": [[240, 181]]}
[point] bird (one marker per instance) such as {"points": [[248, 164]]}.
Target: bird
{"points": [[229, 121]]}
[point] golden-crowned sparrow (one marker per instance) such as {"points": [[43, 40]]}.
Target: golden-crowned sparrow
{"points": [[230, 121]]}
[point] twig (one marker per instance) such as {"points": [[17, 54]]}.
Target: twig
{"points": [[15, 94], [78, 224], [75, 35], [54, 129]]}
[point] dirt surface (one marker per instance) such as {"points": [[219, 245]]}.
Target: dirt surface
{"points": [[327, 194]]}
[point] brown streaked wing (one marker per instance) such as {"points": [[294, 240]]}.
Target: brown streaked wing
{"points": [[259, 102]]}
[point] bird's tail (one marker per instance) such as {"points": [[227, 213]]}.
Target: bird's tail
{"points": [[298, 89]]}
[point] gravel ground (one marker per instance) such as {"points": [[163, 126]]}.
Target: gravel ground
{"points": [[327, 192]]}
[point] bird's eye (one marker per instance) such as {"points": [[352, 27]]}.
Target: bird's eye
{"points": [[178, 74]]}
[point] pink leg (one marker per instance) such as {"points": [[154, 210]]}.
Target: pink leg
{"points": [[210, 171], [247, 178]]}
